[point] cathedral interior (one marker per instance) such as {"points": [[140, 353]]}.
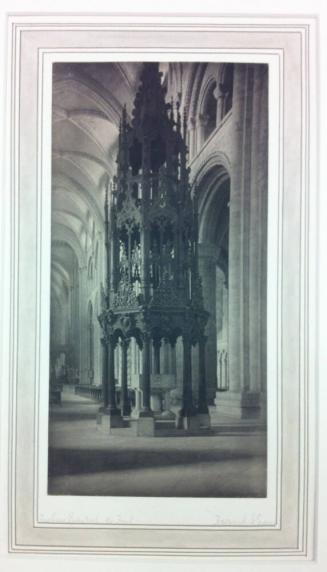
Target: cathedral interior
{"points": [[158, 279]]}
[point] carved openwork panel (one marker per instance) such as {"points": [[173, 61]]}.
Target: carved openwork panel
{"points": [[154, 288]]}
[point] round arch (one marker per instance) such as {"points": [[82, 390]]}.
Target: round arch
{"points": [[217, 159]]}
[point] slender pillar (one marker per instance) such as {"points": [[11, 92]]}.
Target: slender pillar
{"points": [[179, 365], [166, 358], [146, 378], [203, 410], [173, 359], [125, 403], [145, 419], [203, 406], [83, 365], [112, 404], [236, 238], [109, 416], [256, 399], [258, 229], [104, 372], [187, 418], [187, 405], [156, 347]]}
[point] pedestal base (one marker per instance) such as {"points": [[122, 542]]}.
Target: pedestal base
{"points": [[145, 426], [204, 419], [187, 422], [240, 405], [138, 404], [126, 410], [107, 421]]}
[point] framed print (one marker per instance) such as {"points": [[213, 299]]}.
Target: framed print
{"points": [[160, 396]]}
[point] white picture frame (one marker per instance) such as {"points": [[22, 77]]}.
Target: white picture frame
{"points": [[289, 43]]}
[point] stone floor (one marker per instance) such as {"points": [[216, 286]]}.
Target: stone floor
{"points": [[86, 461]]}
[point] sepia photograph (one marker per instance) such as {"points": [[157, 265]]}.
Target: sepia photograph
{"points": [[158, 313]]}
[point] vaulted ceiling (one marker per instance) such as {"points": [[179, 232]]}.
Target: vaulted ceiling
{"points": [[87, 105], [88, 99]]}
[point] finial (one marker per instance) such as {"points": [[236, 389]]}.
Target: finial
{"points": [[106, 200], [124, 115], [184, 122], [107, 186], [178, 116], [119, 135]]}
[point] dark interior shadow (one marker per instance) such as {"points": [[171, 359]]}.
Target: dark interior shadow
{"points": [[73, 461]]}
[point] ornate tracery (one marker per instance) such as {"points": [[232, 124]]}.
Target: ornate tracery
{"points": [[153, 291]]}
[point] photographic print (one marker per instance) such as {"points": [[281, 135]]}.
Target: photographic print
{"points": [[158, 314], [161, 303]]}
